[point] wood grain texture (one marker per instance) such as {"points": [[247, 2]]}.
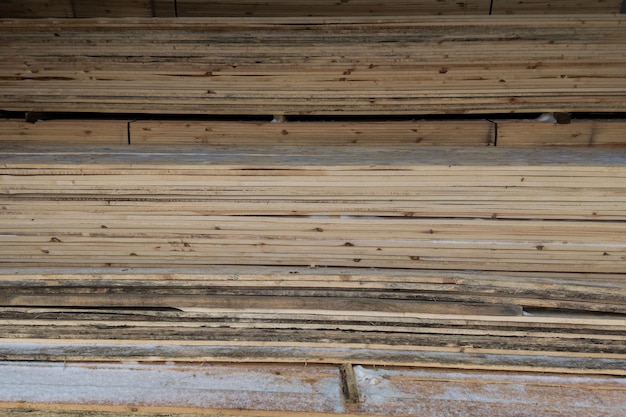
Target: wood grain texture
{"points": [[555, 6], [279, 8], [396, 391], [285, 8], [165, 207], [65, 131], [241, 8], [576, 133], [30, 9], [167, 287], [315, 65], [380, 134]]}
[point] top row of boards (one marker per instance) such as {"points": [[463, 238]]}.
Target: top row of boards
{"points": [[278, 8]]}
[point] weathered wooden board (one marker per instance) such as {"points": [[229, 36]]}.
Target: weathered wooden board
{"points": [[325, 352], [286, 8], [65, 131], [382, 133], [183, 390], [290, 389], [167, 287], [407, 65], [555, 6], [435, 393], [279, 8], [576, 133], [36, 8]]}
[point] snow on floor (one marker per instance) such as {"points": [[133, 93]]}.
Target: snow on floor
{"points": [[275, 388]]}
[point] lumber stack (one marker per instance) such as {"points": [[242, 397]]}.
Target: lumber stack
{"points": [[435, 208], [314, 65], [285, 8], [188, 197]]}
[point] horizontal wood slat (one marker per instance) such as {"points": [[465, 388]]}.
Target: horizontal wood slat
{"points": [[284, 8], [576, 133], [380, 134], [275, 390], [64, 131], [555, 6], [278, 8], [315, 65]]}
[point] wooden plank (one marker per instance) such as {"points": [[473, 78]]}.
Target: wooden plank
{"points": [[437, 392], [269, 303], [448, 133], [465, 357], [572, 64], [388, 391], [576, 133], [137, 240], [583, 292], [282, 388], [277, 8], [153, 287], [113, 8], [29, 9], [164, 8], [65, 131], [555, 6]]}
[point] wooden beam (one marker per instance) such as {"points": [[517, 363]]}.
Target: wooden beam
{"points": [[279, 8], [387, 391], [561, 7], [64, 131], [453, 357], [384, 133], [576, 133]]}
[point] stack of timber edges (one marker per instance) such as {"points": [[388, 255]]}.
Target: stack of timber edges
{"points": [[284, 8], [260, 194], [304, 66]]}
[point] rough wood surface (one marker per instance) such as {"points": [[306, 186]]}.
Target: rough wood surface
{"points": [[242, 8], [184, 390], [277, 8], [367, 133], [315, 65], [555, 6], [283, 8], [576, 133], [326, 352], [64, 131], [167, 287]]}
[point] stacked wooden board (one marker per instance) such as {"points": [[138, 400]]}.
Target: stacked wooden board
{"points": [[435, 208], [276, 8], [314, 65], [139, 238]]}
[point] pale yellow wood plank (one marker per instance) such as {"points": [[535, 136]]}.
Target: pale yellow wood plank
{"points": [[576, 133], [65, 131], [448, 133]]}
